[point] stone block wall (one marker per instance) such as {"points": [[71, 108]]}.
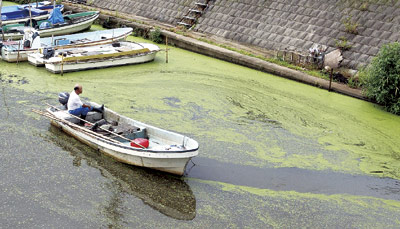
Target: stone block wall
{"points": [[284, 24], [166, 11]]}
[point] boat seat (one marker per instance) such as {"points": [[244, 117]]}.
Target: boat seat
{"points": [[130, 132]]}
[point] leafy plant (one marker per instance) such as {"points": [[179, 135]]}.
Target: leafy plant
{"points": [[350, 25], [353, 82], [155, 35], [382, 78], [343, 44], [364, 6]]}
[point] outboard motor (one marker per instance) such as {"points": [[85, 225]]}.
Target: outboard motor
{"points": [[48, 52], [63, 98]]}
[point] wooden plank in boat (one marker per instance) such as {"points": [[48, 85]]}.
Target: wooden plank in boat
{"points": [[108, 55]]}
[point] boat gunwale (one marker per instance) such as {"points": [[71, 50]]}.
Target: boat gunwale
{"points": [[121, 145]]}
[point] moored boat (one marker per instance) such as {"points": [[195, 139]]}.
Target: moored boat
{"points": [[165, 150], [13, 51], [20, 13], [65, 25], [102, 56]]}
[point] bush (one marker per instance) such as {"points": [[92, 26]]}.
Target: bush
{"points": [[382, 78], [155, 36]]}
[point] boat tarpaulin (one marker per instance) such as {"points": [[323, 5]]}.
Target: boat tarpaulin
{"points": [[56, 16]]}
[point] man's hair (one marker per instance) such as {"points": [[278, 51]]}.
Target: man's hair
{"points": [[76, 87]]}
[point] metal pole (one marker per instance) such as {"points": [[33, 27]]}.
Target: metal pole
{"points": [[330, 80], [19, 47], [1, 22], [166, 50], [62, 64], [30, 14]]}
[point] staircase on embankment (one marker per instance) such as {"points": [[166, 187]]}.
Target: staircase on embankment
{"points": [[193, 14]]}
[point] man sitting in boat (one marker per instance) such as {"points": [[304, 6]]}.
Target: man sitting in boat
{"points": [[76, 107]]}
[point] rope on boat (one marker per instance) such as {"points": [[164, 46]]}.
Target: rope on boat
{"points": [[186, 173]]}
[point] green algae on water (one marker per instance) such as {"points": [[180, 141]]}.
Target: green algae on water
{"points": [[290, 209], [238, 114]]}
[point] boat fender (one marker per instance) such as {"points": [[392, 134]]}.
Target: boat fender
{"points": [[142, 141], [63, 98]]}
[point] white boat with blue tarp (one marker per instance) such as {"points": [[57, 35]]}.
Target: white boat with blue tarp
{"points": [[57, 24], [31, 46], [20, 13]]}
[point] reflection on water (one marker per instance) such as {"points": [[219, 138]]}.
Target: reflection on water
{"points": [[165, 193]]}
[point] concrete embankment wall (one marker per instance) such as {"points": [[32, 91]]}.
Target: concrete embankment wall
{"points": [[195, 45], [284, 24]]}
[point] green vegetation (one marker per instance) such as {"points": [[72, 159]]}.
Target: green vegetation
{"points": [[350, 25], [155, 35], [353, 82], [310, 71], [342, 44], [363, 5], [381, 79]]}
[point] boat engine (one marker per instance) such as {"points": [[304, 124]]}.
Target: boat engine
{"points": [[63, 98], [48, 53]]}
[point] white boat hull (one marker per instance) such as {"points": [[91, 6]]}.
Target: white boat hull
{"points": [[36, 60], [174, 163], [13, 56], [105, 63]]}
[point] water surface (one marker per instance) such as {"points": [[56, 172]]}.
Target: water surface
{"points": [[273, 152]]}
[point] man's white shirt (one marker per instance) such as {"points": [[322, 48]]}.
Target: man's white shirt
{"points": [[74, 102]]}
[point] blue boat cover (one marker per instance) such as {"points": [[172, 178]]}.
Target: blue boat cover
{"points": [[56, 16]]}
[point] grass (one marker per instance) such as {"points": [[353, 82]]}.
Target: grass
{"points": [[312, 72]]}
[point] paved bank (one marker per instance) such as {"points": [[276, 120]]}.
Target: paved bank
{"points": [[193, 44]]}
